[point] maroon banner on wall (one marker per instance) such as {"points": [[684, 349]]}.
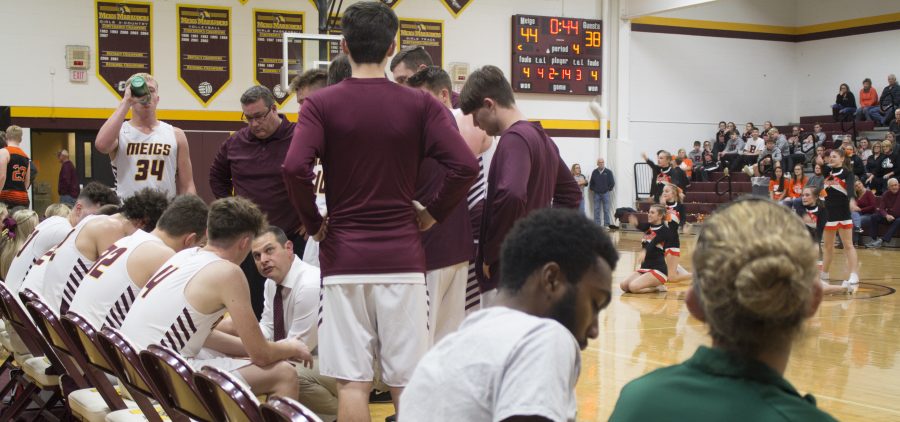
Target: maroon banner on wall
{"points": [[204, 50], [334, 28], [123, 42], [426, 33], [268, 27]]}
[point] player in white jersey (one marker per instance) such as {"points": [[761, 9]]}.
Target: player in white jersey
{"points": [[145, 152], [58, 273], [186, 298], [51, 231], [112, 284]]}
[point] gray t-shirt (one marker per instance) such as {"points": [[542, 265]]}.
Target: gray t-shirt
{"points": [[501, 363]]}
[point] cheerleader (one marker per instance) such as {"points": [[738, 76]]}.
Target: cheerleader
{"points": [[673, 198], [653, 274], [839, 199]]}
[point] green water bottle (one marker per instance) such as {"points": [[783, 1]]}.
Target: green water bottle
{"points": [[139, 89]]}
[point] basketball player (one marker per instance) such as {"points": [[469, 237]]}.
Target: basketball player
{"points": [[526, 174], [519, 360], [58, 273], [370, 253], [186, 298], [839, 200], [448, 244], [53, 230], [15, 170], [145, 152], [292, 305], [653, 273], [308, 82], [111, 285], [413, 59]]}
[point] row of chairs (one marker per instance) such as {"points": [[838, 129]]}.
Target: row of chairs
{"points": [[78, 364]]}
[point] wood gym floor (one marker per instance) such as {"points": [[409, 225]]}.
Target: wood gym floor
{"points": [[847, 357]]}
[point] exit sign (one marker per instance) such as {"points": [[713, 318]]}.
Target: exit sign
{"points": [[77, 76]]}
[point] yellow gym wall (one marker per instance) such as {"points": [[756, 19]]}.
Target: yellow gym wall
{"points": [[44, 146]]}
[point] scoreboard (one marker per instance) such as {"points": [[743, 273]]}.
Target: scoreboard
{"points": [[554, 55]]}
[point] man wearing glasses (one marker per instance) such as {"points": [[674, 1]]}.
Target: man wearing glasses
{"points": [[248, 164]]}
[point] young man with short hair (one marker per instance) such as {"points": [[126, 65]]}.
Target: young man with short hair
{"points": [[187, 297], [111, 285], [370, 253], [413, 59], [15, 170], [58, 273], [519, 359], [145, 152], [53, 230], [307, 82], [527, 172]]}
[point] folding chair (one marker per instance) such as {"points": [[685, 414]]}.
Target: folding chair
{"points": [[126, 364], [84, 336], [41, 368], [88, 404], [282, 409], [174, 378], [226, 398]]}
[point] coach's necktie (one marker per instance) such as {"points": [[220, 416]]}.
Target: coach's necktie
{"points": [[278, 308]]}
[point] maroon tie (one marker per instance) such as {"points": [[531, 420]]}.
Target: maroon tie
{"points": [[278, 308]]}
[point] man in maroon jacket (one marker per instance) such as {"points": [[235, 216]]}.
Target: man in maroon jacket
{"points": [[887, 213], [526, 174], [68, 186], [371, 135]]}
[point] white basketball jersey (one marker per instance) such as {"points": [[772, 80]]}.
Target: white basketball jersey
{"points": [[146, 160], [162, 315], [57, 273], [46, 235], [107, 291]]}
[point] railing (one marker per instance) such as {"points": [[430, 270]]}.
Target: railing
{"points": [[643, 176], [725, 179]]}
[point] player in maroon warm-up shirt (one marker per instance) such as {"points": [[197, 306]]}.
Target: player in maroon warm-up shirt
{"points": [[371, 135], [526, 174]]}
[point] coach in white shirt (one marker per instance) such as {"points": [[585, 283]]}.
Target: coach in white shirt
{"points": [[519, 359], [298, 285]]}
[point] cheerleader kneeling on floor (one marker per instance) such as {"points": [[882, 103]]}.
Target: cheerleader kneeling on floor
{"points": [[653, 273]]}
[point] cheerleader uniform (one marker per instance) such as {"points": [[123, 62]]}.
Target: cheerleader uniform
{"points": [[838, 191], [818, 216], [674, 214], [655, 240]]}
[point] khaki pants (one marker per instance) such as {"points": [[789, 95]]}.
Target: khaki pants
{"points": [[317, 392]]}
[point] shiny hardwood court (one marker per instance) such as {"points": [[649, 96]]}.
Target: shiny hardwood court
{"points": [[847, 357]]}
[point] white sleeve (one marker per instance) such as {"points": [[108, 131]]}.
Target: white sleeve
{"points": [[266, 323], [540, 375], [50, 238], [304, 322]]}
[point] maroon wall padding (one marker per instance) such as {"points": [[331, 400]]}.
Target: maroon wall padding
{"points": [[204, 146]]}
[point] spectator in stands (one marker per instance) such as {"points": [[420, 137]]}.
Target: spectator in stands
{"points": [[817, 180], [721, 130], [887, 213], [685, 163], [767, 126], [868, 99], [696, 154], [889, 101], [844, 104], [730, 126], [895, 125], [708, 165], [779, 185], [889, 165], [732, 152], [820, 135], [766, 158], [665, 172], [821, 158], [798, 182], [863, 150], [754, 289], [749, 153], [748, 128], [808, 148], [718, 146], [602, 183], [582, 184], [707, 145], [874, 180], [794, 153], [859, 168], [795, 134], [867, 206]]}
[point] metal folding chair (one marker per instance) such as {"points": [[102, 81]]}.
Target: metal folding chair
{"points": [[226, 397], [174, 379]]}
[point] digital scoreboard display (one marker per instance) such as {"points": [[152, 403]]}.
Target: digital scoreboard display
{"points": [[553, 55]]}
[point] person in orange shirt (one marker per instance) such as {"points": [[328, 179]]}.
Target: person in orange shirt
{"points": [[686, 164], [15, 170], [778, 184], [868, 98]]}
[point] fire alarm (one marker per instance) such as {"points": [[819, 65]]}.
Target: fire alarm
{"points": [[78, 57]]}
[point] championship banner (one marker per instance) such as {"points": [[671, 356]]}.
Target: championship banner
{"points": [[426, 33], [123, 42], [456, 7], [268, 27], [204, 50], [334, 47]]}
